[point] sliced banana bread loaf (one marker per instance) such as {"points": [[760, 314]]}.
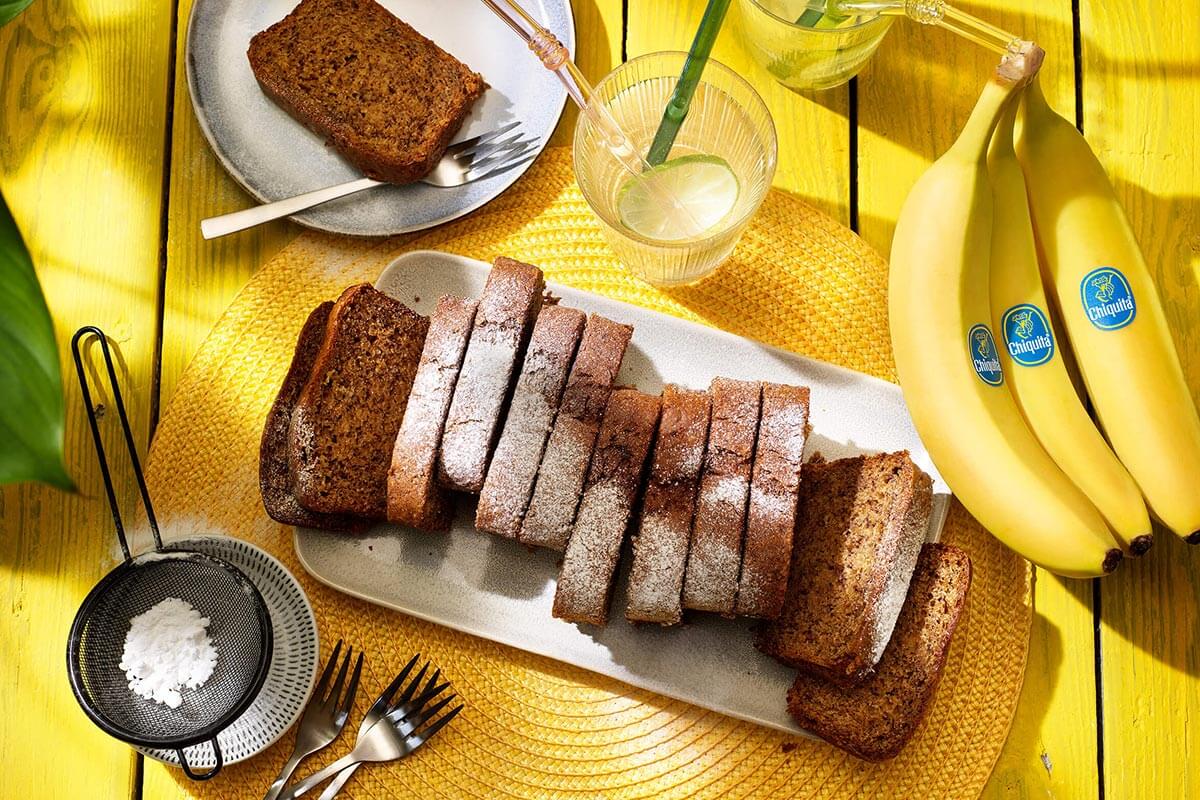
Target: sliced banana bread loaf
{"points": [[345, 422], [414, 497], [711, 580], [564, 464], [514, 465], [388, 99], [861, 524], [511, 300], [875, 719], [660, 547], [590, 564], [774, 495], [274, 481]]}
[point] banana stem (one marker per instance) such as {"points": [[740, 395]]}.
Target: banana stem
{"points": [[1016, 70]]}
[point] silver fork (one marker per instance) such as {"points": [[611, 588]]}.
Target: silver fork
{"points": [[324, 716], [463, 162], [378, 710], [395, 735]]}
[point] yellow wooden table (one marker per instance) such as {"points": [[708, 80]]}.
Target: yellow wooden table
{"points": [[107, 174]]}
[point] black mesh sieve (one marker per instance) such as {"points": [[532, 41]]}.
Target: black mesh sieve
{"points": [[239, 629], [239, 624]]}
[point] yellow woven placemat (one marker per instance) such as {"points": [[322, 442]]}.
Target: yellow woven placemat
{"points": [[534, 727]]}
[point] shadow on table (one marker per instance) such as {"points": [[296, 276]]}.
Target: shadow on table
{"points": [[1151, 603], [1042, 676]]}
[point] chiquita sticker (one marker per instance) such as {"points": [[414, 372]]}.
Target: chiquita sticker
{"points": [[984, 357], [1107, 299], [1027, 335]]}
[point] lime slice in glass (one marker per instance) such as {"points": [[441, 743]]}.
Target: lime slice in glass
{"points": [[679, 199]]}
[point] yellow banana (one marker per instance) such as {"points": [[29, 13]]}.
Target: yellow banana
{"points": [[1032, 356], [1112, 315], [947, 362]]}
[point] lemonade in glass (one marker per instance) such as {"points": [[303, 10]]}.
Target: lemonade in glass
{"points": [[718, 171], [805, 50]]}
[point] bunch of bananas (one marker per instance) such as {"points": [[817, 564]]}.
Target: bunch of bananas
{"points": [[1010, 239]]}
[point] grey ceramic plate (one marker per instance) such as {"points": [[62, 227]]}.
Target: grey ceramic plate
{"points": [[494, 588], [272, 156]]}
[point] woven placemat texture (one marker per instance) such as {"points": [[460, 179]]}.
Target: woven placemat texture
{"points": [[533, 727]]}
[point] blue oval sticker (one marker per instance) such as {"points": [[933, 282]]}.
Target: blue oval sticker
{"points": [[1107, 299], [1027, 335], [984, 357]]}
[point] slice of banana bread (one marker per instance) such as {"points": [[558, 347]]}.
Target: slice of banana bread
{"points": [[861, 524], [564, 465], [711, 580], [345, 422], [414, 498], [660, 548], [274, 481], [388, 99], [510, 476], [590, 565], [876, 719], [510, 303], [774, 495]]}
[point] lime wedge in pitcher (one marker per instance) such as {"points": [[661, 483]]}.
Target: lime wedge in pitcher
{"points": [[679, 199]]}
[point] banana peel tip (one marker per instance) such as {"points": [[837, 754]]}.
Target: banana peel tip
{"points": [[1141, 544]]}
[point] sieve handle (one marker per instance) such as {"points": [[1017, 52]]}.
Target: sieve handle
{"points": [[129, 443], [187, 770]]}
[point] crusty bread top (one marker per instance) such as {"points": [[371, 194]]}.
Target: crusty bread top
{"points": [[774, 495], [345, 422], [859, 518], [510, 302], [565, 461], [414, 498], [613, 479], [514, 465], [875, 719], [660, 548], [275, 482], [386, 97]]}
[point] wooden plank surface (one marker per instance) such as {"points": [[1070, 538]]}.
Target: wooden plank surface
{"points": [[1052, 748], [1140, 102], [82, 114], [83, 91], [202, 277]]}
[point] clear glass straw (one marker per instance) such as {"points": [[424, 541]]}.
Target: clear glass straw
{"points": [[926, 12]]}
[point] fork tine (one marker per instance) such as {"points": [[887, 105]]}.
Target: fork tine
{"points": [[498, 152], [486, 148], [476, 174], [481, 138], [409, 724], [347, 704], [319, 691], [407, 694], [336, 691], [385, 698], [416, 740], [411, 710]]}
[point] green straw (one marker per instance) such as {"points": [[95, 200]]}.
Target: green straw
{"points": [[677, 109]]}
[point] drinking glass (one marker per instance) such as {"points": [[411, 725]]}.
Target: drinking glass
{"points": [[808, 57], [727, 119]]}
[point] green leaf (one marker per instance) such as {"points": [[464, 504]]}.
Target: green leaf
{"points": [[31, 398], [10, 8]]}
